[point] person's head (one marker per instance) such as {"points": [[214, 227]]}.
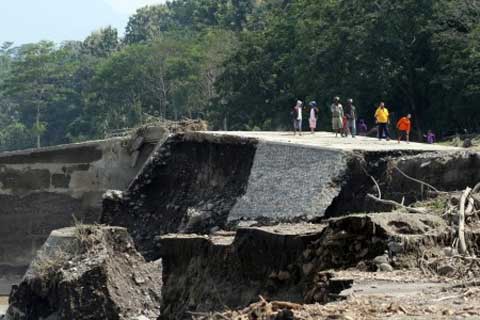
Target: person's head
{"points": [[350, 101], [382, 104], [429, 132], [313, 104], [409, 116], [336, 99], [299, 103]]}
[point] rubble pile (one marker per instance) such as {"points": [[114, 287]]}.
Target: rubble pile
{"points": [[88, 273]]}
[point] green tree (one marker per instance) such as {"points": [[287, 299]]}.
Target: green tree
{"points": [[35, 82]]}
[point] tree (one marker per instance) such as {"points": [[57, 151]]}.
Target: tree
{"points": [[101, 43], [148, 23], [35, 82]]}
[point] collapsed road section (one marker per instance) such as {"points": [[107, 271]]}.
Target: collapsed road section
{"points": [[234, 219]]}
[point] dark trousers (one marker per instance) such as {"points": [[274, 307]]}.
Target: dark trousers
{"points": [[383, 129]]}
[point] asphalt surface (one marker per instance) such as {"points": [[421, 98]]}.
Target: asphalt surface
{"points": [[328, 140]]}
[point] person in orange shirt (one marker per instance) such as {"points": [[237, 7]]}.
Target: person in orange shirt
{"points": [[404, 125]]}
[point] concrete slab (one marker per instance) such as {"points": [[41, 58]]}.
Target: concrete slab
{"points": [[328, 140]]}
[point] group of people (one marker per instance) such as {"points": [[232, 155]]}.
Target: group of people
{"points": [[344, 121]]}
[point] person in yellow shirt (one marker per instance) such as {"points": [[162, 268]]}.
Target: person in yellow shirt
{"points": [[382, 119]]}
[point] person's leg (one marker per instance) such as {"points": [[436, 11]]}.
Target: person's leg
{"points": [[347, 129], [400, 132], [387, 134], [380, 131], [353, 128], [300, 127], [408, 136]]}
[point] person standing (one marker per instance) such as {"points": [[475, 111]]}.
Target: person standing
{"points": [[337, 116], [351, 115], [297, 118], [362, 127], [382, 118], [313, 116], [430, 136], [404, 125]]}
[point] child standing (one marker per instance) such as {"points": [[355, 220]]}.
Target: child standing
{"points": [[404, 126]]}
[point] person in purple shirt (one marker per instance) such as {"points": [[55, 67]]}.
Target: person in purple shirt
{"points": [[362, 127], [430, 136]]}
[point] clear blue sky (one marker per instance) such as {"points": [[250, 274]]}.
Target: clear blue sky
{"points": [[25, 21]]}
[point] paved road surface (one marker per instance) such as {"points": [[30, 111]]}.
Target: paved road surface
{"points": [[328, 140]]}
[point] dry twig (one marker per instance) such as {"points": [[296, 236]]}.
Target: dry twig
{"points": [[396, 204]]}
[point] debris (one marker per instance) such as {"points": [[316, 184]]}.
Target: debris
{"points": [[88, 272]]}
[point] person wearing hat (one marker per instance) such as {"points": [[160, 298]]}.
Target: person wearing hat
{"points": [[313, 116], [351, 115], [297, 117], [337, 116]]}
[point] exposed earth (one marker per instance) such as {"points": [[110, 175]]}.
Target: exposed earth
{"points": [[397, 295]]}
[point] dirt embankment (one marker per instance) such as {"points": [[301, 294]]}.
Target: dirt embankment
{"points": [[88, 273], [189, 185], [285, 262]]}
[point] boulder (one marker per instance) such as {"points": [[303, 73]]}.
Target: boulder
{"points": [[88, 273]]}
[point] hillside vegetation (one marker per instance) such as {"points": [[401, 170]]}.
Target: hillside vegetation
{"points": [[242, 63]]}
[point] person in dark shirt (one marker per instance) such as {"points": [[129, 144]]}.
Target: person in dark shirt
{"points": [[351, 115]]}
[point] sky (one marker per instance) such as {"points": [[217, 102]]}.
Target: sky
{"points": [[26, 21]]}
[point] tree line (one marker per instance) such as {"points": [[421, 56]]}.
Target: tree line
{"points": [[242, 64]]}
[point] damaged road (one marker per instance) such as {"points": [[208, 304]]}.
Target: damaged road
{"points": [[235, 228]]}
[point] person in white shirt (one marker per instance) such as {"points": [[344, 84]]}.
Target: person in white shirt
{"points": [[313, 116], [297, 118]]}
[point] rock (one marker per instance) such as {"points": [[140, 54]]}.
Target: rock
{"points": [[445, 270], [86, 273], [385, 267], [285, 315], [467, 143], [395, 247], [450, 252], [381, 259]]}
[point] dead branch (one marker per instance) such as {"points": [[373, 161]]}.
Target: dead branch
{"points": [[418, 181], [378, 187], [462, 248], [396, 204], [476, 189]]}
